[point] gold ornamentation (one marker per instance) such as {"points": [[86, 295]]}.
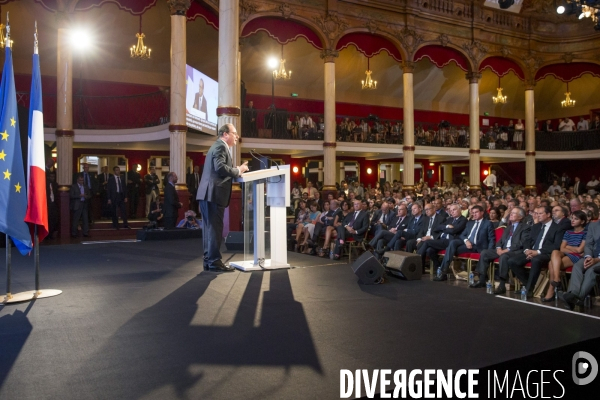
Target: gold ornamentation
{"points": [[247, 8], [444, 39], [410, 40], [568, 57], [329, 55], [178, 7], [371, 26], [475, 50], [286, 10], [505, 51], [332, 25]]}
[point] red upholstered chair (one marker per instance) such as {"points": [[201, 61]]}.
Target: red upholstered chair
{"points": [[498, 232]]}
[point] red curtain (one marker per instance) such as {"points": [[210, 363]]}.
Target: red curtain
{"points": [[442, 56], [369, 45], [282, 30], [568, 72], [502, 66]]}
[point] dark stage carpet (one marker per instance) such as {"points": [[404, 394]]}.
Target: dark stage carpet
{"points": [[142, 321]]}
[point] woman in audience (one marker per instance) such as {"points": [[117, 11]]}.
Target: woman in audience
{"points": [[330, 232], [296, 194], [518, 136], [571, 251], [495, 217], [314, 216], [301, 221]]}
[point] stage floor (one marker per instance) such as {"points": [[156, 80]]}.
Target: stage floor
{"points": [[142, 320]]}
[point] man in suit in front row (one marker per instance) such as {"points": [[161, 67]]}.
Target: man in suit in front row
{"points": [[214, 194], [585, 271], [171, 204], [116, 192], [355, 225], [80, 196], [410, 231], [513, 239], [477, 236], [397, 223], [448, 230], [545, 237], [432, 219]]}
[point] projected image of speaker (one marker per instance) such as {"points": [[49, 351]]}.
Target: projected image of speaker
{"points": [[403, 265], [368, 269]]}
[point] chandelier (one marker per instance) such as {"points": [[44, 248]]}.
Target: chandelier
{"points": [[281, 73], [499, 99], [582, 8], [369, 83], [140, 51], [567, 102]]}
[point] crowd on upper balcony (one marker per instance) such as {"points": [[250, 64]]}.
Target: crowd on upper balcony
{"points": [[371, 129]]}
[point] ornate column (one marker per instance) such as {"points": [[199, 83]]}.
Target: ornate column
{"points": [[64, 121], [329, 143], [228, 109], [529, 136], [342, 171], [177, 127], [474, 151], [408, 174]]}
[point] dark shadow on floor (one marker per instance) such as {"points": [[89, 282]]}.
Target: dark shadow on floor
{"points": [[15, 328], [157, 347]]}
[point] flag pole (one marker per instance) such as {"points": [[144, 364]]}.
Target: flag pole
{"points": [[8, 278], [36, 252]]}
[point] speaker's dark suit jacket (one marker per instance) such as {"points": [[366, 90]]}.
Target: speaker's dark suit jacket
{"points": [[217, 175]]}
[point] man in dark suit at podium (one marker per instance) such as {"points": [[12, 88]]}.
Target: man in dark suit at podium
{"points": [[200, 100], [214, 194]]}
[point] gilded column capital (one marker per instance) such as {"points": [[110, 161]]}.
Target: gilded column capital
{"points": [[408, 67], [178, 7], [473, 77], [329, 55], [529, 83], [332, 25]]}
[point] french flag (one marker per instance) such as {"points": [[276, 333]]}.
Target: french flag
{"points": [[37, 208]]}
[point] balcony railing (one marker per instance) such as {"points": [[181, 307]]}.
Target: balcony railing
{"points": [[567, 141]]}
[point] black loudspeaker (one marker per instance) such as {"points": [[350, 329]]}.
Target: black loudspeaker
{"points": [[403, 265], [235, 241], [368, 269]]}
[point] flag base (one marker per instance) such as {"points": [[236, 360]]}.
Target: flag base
{"points": [[30, 295]]}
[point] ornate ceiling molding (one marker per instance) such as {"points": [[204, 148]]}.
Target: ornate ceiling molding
{"points": [[179, 7], [410, 40], [286, 10], [332, 26], [476, 51], [247, 8]]}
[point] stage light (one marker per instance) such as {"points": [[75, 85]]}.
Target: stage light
{"points": [[81, 39], [561, 7], [504, 4], [272, 63]]}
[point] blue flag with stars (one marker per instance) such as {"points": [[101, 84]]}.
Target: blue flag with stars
{"points": [[13, 186]]}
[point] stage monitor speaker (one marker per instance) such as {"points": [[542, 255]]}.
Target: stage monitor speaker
{"points": [[403, 265], [368, 269], [235, 241]]}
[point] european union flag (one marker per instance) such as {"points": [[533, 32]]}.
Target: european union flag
{"points": [[13, 187]]}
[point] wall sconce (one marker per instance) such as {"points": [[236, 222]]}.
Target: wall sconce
{"points": [[431, 164], [486, 172], [369, 171], [138, 167], [295, 169]]}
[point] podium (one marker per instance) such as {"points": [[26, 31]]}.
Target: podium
{"points": [[268, 250]]}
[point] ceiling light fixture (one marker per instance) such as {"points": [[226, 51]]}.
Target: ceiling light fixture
{"points": [[140, 51], [567, 102], [369, 83], [499, 99]]}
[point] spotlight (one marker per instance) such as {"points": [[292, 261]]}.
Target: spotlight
{"points": [[504, 4], [273, 62], [561, 7]]}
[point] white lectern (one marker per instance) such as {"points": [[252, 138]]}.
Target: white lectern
{"points": [[277, 180]]}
